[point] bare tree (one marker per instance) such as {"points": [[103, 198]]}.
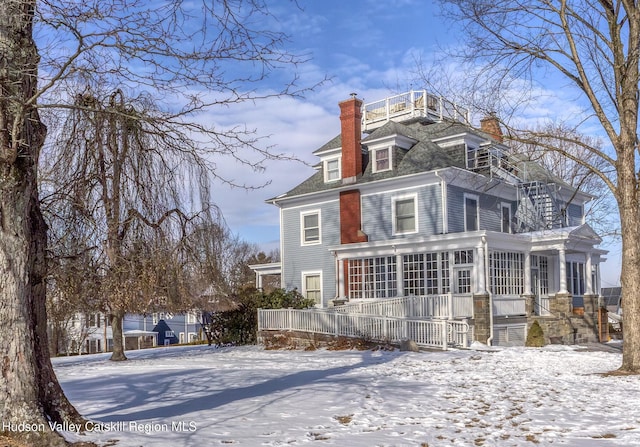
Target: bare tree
{"points": [[593, 46], [194, 58], [577, 175], [220, 260], [123, 175]]}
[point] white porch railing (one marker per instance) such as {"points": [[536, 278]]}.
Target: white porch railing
{"points": [[508, 305], [427, 333], [416, 103], [432, 306]]}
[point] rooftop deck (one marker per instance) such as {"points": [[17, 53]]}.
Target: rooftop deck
{"points": [[413, 104]]}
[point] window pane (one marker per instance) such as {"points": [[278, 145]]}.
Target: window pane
{"points": [[333, 169], [311, 234], [311, 220], [506, 220], [311, 228], [312, 288], [382, 159], [405, 216], [471, 213]]}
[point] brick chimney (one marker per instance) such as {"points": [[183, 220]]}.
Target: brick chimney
{"points": [[491, 125], [351, 218], [351, 132]]}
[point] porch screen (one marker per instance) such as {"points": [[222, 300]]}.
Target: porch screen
{"points": [[372, 277], [506, 271]]}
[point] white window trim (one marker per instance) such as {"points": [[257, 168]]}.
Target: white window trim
{"points": [[325, 166], [374, 163], [504, 205], [302, 216], [304, 275], [464, 209], [395, 199]]}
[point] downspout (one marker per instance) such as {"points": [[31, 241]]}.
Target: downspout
{"points": [[337, 275], [488, 289], [443, 193]]}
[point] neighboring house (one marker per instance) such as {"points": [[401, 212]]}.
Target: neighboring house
{"points": [[79, 334], [166, 335], [170, 328], [427, 206], [91, 333]]}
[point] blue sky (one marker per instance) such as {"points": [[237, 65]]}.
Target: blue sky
{"points": [[369, 47]]}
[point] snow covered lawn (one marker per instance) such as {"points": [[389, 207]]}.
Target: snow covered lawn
{"points": [[247, 396]]}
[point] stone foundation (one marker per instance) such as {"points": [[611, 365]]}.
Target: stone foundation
{"points": [[481, 317], [565, 327]]}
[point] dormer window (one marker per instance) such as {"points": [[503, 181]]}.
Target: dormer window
{"points": [[382, 159], [332, 170]]}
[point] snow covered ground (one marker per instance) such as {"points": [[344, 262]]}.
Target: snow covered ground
{"points": [[246, 396]]}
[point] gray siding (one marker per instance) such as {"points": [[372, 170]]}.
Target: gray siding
{"points": [[490, 212], [297, 258], [377, 220]]}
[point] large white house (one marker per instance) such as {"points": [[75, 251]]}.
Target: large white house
{"points": [[425, 208]]}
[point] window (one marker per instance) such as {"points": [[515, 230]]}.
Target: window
{"points": [[462, 280], [506, 270], [463, 257], [192, 318], [382, 160], [332, 170], [413, 270], [312, 287], [505, 217], [575, 278], [437, 273], [540, 275], [463, 263], [404, 215], [372, 277], [471, 213], [154, 318], [310, 228], [168, 334]]}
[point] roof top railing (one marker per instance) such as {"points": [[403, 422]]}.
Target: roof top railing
{"points": [[412, 104]]}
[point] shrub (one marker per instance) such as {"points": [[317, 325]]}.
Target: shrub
{"points": [[535, 336], [240, 325]]}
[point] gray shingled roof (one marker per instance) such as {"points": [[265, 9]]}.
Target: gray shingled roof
{"points": [[423, 156], [335, 143]]}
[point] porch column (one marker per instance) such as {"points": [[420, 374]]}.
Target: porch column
{"points": [[588, 275], [258, 280], [562, 259], [399, 276], [479, 270], [340, 292], [527, 273], [528, 293]]}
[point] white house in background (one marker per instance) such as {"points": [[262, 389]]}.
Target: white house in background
{"points": [[423, 205], [92, 333]]}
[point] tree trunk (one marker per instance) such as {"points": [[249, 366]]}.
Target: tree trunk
{"points": [[629, 205], [118, 339], [29, 390]]}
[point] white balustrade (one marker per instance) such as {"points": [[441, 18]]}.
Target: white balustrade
{"points": [[427, 333]]}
